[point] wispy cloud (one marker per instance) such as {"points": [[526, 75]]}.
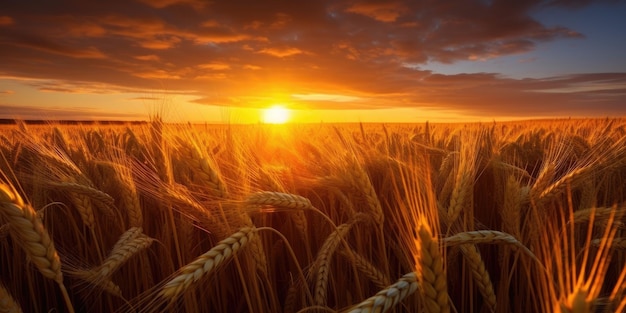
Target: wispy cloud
{"points": [[281, 52]]}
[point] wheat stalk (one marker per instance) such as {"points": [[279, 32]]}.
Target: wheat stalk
{"points": [[128, 195], [359, 179], [122, 252], [487, 236], [129, 243], [322, 262], [203, 169], [29, 232], [87, 191], [460, 194], [431, 271], [279, 200], [571, 178], [206, 263], [600, 215], [511, 217], [543, 180], [389, 297], [84, 208], [480, 274]]}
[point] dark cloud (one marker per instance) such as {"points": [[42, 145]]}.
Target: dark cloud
{"points": [[238, 53]]}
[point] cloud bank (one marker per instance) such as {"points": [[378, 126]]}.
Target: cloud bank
{"points": [[316, 54]]}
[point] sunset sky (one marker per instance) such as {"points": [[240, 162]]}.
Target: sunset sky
{"points": [[330, 61]]}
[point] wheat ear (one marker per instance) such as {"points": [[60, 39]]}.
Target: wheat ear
{"points": [[572, 178], [480, 274], [206, 263], [543, 180], [488, 236], [129, 196], [389, 297], [205, 172], [28, 231], [279, 200], [121, 253], [359, 178], [431, 274], [600, 215], [84, 208], [92, 193], [322, 263], [511, 217], [460, 195]]}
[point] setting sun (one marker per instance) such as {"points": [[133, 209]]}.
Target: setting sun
{"points": [[276, 115]]}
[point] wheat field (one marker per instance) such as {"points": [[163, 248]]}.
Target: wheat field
{"points": [[156, 217]]}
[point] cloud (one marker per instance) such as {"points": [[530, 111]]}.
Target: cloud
{"points": [[148, 57], [281, 52], [319, 54], [381, 11]]}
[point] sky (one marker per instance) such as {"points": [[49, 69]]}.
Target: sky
{"points": [[327, 61]]}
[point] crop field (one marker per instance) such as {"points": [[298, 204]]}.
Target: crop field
{"points": [[155, 217]]}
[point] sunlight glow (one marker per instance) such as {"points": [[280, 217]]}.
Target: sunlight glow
{"points": [[276, 114]]}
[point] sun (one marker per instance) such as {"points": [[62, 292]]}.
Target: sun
{"points": [[276, 114]]}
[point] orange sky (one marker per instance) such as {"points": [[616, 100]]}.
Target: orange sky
{"points": [[331, 61]]}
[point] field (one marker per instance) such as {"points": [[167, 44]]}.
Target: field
{"points": [[496, 217]]}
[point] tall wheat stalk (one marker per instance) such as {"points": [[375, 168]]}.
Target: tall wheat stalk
{"points": [[28, 231]]}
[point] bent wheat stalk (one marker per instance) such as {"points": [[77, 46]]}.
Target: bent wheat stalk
{"points": [[491, 237], [388, 297], [28, 231], [206, 263]]}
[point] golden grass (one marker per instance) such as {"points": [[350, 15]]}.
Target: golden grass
{"points": [[155, 217]]}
